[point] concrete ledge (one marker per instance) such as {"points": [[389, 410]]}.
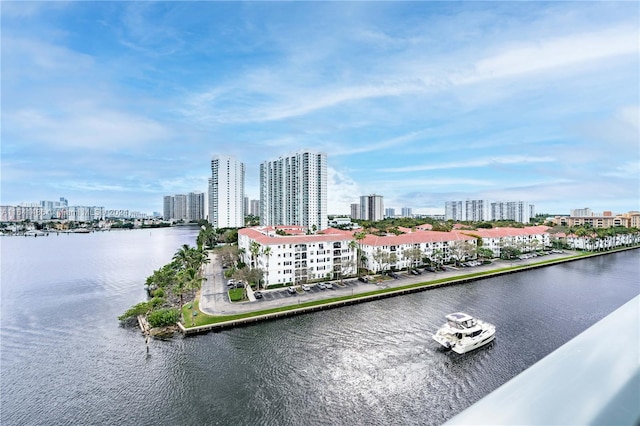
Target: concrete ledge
{"points": [[368, 298]]}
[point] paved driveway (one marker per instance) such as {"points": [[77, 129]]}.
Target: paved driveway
{"points": [[214, 299]]}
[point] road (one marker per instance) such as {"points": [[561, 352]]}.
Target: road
{"points": [[215, 301]]}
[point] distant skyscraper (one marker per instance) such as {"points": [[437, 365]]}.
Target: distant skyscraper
{"points": [[293, 190], [585, 212], [476, 210], [371, 207], [355, 211], [471, 210], [195, 206], [167, 207], [453, 211], [483, 210], [254, 207], [389, 212], [180, 207], [407, 212], [518, 211], [226, 192]]}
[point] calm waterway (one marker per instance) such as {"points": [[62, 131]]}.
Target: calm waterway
{"points": [[65, 359]]}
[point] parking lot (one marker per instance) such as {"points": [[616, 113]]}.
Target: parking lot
{"points": [[214, 298]]}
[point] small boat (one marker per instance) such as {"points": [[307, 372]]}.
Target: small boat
{"points": [[463, 333]]}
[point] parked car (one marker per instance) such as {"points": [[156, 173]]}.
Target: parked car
{"points": [[321, 286], [257, 294], [414, 272], [306, 287], [363, 279], [430, 269], [291, 290], [328, 285], [394, 275]]}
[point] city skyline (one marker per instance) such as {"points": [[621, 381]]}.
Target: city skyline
{"points": [[422, 102]]}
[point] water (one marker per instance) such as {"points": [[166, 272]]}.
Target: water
{"points": [[65, 359]]}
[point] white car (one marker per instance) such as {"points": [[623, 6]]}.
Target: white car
{"points": [[328, 285], [305, 287]]}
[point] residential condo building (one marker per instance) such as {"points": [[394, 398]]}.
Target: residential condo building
{"points": [[187, 207], [226, 192], [288, 255], [355, 211], [372, 207], [483, 210], [406, 212], [293, 190]]}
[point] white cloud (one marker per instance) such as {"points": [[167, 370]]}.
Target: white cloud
{"points": [[342, 191], [481, 162], [544, 55], [91, 129]]}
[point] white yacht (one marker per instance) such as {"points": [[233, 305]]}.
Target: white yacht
{"points": [[463, 333]]}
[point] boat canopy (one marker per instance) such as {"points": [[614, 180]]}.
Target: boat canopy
{"points": [[461, 320]]}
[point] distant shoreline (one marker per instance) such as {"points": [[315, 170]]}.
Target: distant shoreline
{"points": [[293, 309]]}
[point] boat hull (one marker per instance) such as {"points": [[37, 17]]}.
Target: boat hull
{"points": [[463, 349], [463, 341]]}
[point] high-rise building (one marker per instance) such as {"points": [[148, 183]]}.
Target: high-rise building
{"points": [[195, 206], [453, 211], [476, 210], [167, 207], [585, 212], [371, 207], [483, 210], [518, 211], [407, 212], [293, 190], [226, 192], [254, 207], [355, 211], [389, 212], [471, 210]]}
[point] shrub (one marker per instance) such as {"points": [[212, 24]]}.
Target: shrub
{"points": [[163, 317], [139, 309], [158, 292]]}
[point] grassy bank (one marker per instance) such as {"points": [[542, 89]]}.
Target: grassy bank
{"points": [[201, 318]]}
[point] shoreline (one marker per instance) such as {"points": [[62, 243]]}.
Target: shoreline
{"points": [[299, 308]]}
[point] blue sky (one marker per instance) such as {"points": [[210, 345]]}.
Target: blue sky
{"points": [[117, 104]]}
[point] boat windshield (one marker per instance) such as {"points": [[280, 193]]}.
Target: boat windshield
{"points": [[462, 325], [454, 324]]}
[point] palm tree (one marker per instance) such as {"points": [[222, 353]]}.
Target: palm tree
{"points": [[359, 236], [182, 256], [267, 252], [353, 245], [254, 249]]}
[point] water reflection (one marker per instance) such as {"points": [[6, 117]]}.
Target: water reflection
{"points": [[373, 363]]}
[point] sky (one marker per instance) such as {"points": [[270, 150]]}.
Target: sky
{"points": [[118, 104]]}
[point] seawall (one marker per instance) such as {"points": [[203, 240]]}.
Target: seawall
{"points": [[383, 295]]}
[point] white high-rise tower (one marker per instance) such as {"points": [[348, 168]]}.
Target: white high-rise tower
{"points": [[226, 192], [293, 190]]}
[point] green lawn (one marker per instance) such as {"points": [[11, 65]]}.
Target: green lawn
{"points": [[204, 319]]}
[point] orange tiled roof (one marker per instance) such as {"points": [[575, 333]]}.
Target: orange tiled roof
{"points": [[508, 232], [415, 238]]}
